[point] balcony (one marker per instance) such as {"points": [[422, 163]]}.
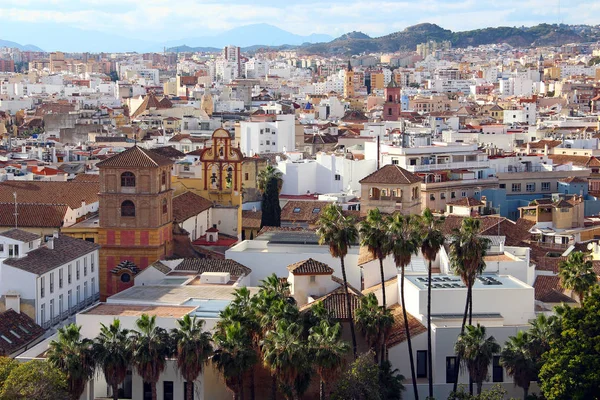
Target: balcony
{"points": [[456, 165], [460, 182]]}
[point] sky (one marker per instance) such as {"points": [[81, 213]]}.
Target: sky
{"points": [[159, 21]]}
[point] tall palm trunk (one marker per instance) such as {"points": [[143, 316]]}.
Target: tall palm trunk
{"points": [[429, 355], [408, 340], [189, 391], [471, 323], [382, 358], [382, 283], [525, 392], [273, 387], [115, 391], [153, 388], [322, 390], [348, 306], [251, 384], [479, 387], [462, 330]]}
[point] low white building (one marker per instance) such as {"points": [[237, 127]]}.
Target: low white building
{"points": [[47, 281]]}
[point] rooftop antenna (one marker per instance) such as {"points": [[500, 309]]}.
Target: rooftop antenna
{"points": [[16, 210]]}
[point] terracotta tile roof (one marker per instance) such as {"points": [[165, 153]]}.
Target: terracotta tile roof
{"points": [[310, 267], [181, 136], [169, 152], [189, 204], [354, 116], [135, 157], [466, 202], [542, 144], [43, 259], [20, 329], [515, 233], [200, 265], [335, 301], [20, 235], [87, 178], [573, 179], [303, 211], [48, 192], [251, 219], [33, 215], [542, 261], [391, 174], [548, 290], [276, 229], [582, 161], [398, 332], [563, 204]]}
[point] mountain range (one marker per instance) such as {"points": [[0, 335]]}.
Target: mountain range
{"points": [[253, 37], [539, 35], [27, 47]]}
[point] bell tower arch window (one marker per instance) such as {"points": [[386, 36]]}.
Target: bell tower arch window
{"points": [[127, 209], [128, 179]]}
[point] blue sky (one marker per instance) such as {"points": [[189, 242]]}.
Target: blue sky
{"points": [[157, 21]]}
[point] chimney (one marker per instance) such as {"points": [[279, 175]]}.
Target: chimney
{"points": [[50, 243]]}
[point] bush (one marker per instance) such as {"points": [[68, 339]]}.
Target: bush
{"points": [[37, 380]]}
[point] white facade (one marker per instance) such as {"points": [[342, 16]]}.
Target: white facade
{"points": [[268, 136], [55, 293]]}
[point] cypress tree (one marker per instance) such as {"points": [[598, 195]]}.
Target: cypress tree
{"points": [[271, 210]]}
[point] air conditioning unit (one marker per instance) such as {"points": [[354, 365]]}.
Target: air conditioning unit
{"points": [[215, 278]]}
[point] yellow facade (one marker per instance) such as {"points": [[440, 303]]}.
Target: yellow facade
{"points": [[377, 81], [552, 73], [349, 84]]}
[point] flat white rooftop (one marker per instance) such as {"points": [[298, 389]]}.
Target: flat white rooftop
{"points": [[175, 295], [450, 282]]}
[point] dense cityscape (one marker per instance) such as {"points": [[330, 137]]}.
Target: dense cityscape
{"points": [[343, 219]]}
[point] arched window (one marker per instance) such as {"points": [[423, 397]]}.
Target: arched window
{"points": [[390, 98], [127, 209], [164, 206], [164, 178], [128, 179], [389, 111]]}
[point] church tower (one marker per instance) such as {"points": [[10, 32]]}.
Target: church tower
{"points": [[136, 216], [349, 82], [393, 103]]}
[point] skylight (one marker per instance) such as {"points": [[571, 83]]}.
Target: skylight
{"points": [[296, 210]]}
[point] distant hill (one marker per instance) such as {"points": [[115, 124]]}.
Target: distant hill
{"points": [[188, 49], [27, 47], [250, 35], [540, 35]]}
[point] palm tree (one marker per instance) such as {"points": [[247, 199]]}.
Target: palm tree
{"points": [[339, 232], [432, 241], [375, 323], [405, 243], [467, 251], [516, 357], [234, 355], [577, 274], [72, 354], [375, 237], [112, 353], [285, 354], [151, 347], [266, 175], [194, 347], [243, 310], [476, 352], [327, 351]]}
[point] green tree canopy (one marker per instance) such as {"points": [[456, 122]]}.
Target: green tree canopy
{"points": [[571, 367], [37, 380]]}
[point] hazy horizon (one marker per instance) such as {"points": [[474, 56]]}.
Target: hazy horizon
{"points": [[76, 25]]}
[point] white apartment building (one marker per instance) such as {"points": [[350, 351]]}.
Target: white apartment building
{"points": [[524, 113], [47, 281], [268, 134], [329, 173]]}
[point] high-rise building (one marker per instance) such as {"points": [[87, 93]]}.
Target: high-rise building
{"points": [[232, 55]]}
